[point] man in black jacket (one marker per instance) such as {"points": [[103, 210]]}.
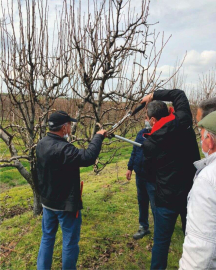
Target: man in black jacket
{"points": [[171, 148], [58, 164]]}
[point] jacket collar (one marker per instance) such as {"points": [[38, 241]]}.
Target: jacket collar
{"points": [[164, 120], [56, 136], [201, 164]]}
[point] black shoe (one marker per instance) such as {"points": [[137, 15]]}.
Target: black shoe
{"points": [[141, 233]]}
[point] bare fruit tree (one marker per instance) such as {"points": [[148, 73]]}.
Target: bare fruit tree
{"points": [[207, 84], [177, 77], [116, 64], [205, 88], [34, 79], [95, 63]]}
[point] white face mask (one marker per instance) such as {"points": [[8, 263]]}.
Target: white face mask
{"points": [[147, 125], [66, 136], [206, 154]]}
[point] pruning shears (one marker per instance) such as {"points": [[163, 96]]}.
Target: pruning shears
{"points": [[114, 127], [129, 114]]}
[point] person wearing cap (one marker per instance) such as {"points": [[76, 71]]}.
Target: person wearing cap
{"points": [[199, 248], [58, 163]]}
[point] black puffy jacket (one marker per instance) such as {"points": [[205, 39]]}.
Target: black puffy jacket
{"points": [[58, 164], [171, 148]]}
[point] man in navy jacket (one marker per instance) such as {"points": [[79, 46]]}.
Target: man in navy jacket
{"points": [[144, 182]]}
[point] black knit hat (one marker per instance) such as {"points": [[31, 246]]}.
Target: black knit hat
{"points": [[59, 118]]}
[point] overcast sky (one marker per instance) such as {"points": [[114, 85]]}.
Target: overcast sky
{"points": [[192, 24]]}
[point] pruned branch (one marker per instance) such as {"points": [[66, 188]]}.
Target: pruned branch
{"points": [[14, 158]]}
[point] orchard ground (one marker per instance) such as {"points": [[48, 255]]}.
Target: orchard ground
{"points": [[110, 218]]}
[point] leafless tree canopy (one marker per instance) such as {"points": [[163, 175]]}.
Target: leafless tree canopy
{"points": [[206, 87], [97, 63]]}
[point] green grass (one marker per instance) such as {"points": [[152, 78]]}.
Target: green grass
{"points": [[16, 201], [110, 218], [10, 177]]}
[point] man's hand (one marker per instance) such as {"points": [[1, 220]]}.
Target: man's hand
{"points": [[128, 174], [102, 132], [147, 98]]}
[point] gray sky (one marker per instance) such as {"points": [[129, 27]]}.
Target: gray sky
{"points": [[192, 24]]}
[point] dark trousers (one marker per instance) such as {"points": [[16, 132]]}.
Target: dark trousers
{"points": [[165, 220], [145, 193]]}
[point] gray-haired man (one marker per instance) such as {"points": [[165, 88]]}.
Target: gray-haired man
{"points": [[205, 107], [199, 248]]}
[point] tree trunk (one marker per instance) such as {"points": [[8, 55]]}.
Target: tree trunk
{"points": [[37, 207]]}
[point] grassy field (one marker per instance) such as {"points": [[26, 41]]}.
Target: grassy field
{"points": [[10, 177], [110, 218]]}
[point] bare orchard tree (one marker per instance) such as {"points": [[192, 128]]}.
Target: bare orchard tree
{"points": [[33, 79], [116, 61], [207, 84], [177, 76], [205, 88], [103, 58]]}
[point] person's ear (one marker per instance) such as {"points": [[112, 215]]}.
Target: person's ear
{"points": [[64, 131], [154, 120], [69, 127], [211, 142]]}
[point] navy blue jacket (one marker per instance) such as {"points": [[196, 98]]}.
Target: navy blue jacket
{"points": [[136, 162]]}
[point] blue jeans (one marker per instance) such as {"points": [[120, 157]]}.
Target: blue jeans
{"points": [[145, 193], [165, 220], [70, 226]]}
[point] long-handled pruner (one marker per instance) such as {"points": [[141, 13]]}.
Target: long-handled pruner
{"points": [[110, 132], [129, 114], [81, 190], [126, 140]]}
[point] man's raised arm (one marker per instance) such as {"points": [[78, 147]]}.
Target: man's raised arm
{"points": [[179, 100]]}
